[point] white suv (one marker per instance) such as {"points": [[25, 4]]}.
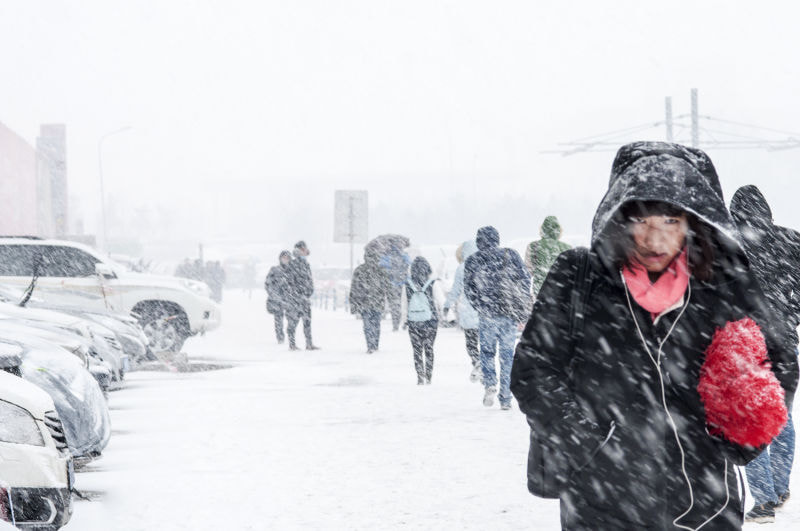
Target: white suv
{"points": [[169, 309]]}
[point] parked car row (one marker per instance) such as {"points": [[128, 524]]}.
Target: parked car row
{"points": [[72, 324]]}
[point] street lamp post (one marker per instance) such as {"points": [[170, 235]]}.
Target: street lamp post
{"points": [[102, 187]]}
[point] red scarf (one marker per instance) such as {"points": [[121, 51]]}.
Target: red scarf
{"points": [[655, 297]]}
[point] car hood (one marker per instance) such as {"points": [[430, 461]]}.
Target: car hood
{"points": [[25, 394], [163, 281], [13, 311]]}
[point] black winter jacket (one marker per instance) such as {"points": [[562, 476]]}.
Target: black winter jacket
{"points": [[301, 284], [277, 286], [601, 403], [773, 252], [489, 270], [370, 288]]}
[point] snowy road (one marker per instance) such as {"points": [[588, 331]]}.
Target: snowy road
{"points": [[333, 439]]}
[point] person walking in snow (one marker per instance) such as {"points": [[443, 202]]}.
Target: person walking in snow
{"points": [[396, 263], [541, 254], [215, 278], [467, 315], [369, 291], [630, 346], [774, 256], [301, 288], [277, 286], [421, 317], [498, 287]]}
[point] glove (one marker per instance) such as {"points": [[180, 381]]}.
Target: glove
{"points": [[743, 399]]}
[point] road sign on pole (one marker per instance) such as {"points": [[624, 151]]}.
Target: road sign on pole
{"points": [[351, 218]]}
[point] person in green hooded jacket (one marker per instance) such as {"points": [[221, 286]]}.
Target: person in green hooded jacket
{"points": [[541, 254]]}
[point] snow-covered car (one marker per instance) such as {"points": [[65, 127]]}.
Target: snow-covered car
{"points": [[104, 366], [99, 339], [120, 332], [78, 398], [36, 473], [170, 309]]}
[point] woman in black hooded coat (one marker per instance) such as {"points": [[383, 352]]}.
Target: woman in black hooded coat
{"points": [[592, 387]]}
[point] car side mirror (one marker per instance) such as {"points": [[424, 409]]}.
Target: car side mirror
{"points": [[104, 271]]}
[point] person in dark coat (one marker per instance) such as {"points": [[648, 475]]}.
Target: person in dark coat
{"points": [[618, 396], [277, 286], [421, 318], [298, 300], [369, 291], [395, 262], [498, 286], [215, 278], [774, 255]]}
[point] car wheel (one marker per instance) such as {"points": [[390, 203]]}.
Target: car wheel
{"points": [[164, 333]]}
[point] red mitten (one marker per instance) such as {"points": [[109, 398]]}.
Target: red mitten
{"points": [[743, 399]]}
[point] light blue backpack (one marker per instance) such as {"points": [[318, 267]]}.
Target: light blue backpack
{"points": [[419, 309]]}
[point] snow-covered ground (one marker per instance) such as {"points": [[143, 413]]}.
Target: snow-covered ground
{"points": [[333, 439]]}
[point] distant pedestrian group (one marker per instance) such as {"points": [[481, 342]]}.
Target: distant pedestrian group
{"points": [[212, 273], [289, 287]]}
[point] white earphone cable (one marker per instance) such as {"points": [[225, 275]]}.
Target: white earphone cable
{"points": [[657, 364]]}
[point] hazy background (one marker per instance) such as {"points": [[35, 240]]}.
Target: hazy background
{"points": [[246, 116]]}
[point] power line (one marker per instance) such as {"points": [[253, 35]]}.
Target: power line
{"points": [[741, 140]]}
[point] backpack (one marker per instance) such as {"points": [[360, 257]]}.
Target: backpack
{"points": [[419, 308], [548, 468]]}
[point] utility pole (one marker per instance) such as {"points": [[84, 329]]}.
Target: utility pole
{"points": [[351, 232], [668, 121], [102, 187], [695, 121]]}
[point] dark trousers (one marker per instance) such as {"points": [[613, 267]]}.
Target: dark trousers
{"points": [[294, 316], [394, 298], [472, 335], [372, 328], [422, 337], [279, 315]]}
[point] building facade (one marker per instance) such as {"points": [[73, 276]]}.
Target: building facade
{"points": [[33, 183]]}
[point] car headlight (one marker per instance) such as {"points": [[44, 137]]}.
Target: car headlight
{"points": [[17, 426]]}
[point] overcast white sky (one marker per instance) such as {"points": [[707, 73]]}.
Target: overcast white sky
{"points": [[243, 113]]}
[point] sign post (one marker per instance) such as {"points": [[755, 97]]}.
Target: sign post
{"points": [[351, 219]]}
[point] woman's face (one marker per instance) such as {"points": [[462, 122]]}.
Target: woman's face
{"points": [[657, 239]]}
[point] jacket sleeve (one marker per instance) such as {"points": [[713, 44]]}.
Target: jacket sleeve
{"points": [[458, 286], [539, 374], [355, 292], [470, 288], [523, 276], [309, 281], [782, 354]]}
